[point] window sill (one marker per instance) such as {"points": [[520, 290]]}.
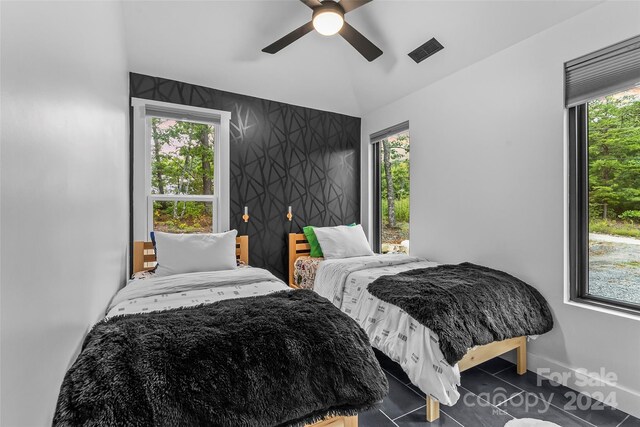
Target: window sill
{"points": [[603, 307]]}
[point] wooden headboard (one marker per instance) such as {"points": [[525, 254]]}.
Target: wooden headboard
{"points": [[298, 246], [144, 256]]}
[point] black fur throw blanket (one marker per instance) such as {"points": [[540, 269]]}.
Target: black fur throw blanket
{"points": [[466, 305], [288, 358]]}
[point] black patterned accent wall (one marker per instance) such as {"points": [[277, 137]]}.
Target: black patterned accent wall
{"points": [[281, 155]]}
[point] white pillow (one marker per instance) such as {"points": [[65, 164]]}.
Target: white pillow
{"points": [[188, 253], [343, 241]]}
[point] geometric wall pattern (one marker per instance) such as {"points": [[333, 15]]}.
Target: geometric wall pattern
{"points": [[281, 155]]}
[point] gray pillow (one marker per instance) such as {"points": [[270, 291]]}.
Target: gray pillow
{"points": [[189, 253], [343, 241]]}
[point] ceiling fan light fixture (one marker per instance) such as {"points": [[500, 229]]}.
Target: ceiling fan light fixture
{"points": [[328, 18]]}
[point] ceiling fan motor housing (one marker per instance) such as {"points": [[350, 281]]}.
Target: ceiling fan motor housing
{"points": [[328, 6]]}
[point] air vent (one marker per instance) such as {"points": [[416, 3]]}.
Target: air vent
{"points": [[426, 50]]}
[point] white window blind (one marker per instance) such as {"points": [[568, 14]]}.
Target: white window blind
{"points": [[181, 114], [601, 73], [386, 133]]}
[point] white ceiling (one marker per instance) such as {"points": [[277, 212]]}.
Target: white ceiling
{"points": [[218, 44]]}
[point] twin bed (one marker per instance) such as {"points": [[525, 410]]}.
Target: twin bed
{"points": [[222, 348], [238, 347], [407, 341]]}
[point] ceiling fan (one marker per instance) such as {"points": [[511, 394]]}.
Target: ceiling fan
{"points": [[328, 19]]}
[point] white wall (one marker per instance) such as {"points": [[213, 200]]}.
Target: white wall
{"points": [[487, 177], [64, 175]]}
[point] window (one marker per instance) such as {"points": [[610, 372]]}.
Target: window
{"points": [[604, 176], [391, 189], [180, 169]]}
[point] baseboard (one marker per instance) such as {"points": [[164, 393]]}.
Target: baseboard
{"points": [[626, 400]]}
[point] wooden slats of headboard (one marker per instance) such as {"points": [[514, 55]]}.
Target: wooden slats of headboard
{"points": [[298, 246], [144, 256]]}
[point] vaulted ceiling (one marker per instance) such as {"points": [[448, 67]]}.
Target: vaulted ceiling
{"points": [[218, 44]]}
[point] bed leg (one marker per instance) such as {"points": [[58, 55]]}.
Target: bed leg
{"points": [[521, 357], [433, 409], [351, 421]]}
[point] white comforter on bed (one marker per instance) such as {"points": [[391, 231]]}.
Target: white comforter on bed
{"points": [[189, 289], [390, 329]]}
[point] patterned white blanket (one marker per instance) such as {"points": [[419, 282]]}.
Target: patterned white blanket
{"points": [[189, 289], [390, 329]]}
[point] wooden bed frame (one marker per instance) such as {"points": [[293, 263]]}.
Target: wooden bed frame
{"points": [[144, 258], [299, 246]]}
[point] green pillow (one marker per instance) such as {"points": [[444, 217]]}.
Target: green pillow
{"points": [[316, 250]]}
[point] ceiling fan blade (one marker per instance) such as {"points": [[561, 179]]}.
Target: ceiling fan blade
{"points": [[360, 42], [289, 38], [312, 3], [349, 5]]}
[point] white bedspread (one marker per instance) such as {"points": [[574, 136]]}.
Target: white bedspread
{"points": [[189, 289], [390, 329]]}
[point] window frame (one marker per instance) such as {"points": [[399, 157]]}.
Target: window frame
{"points": [[578, 221], [376, 202], [143, 198], [376, 181]]}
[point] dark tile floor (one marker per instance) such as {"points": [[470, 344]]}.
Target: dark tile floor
{"points": [[490, 395]]}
